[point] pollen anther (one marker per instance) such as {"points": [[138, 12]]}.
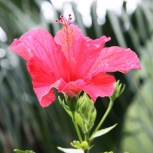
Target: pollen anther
{"points": [[63, 21]]}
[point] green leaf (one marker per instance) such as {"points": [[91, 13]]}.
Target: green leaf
{"points": [[21, 151], [70, 150], [103, 131]]}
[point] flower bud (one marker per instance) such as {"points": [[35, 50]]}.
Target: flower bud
{"points": [[119, 88], [72, 104], [83, 145]]}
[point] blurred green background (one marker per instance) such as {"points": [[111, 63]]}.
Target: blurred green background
{"points": [[24, 124]]}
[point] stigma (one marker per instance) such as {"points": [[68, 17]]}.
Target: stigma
{"points": [[63, 21]]}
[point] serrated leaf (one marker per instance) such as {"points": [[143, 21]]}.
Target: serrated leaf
{"points": [[70, 150], [103, 131]]}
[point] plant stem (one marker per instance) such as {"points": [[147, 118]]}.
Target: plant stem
{"points": [[86, 151], [76, 126], [86, 136], [103, 118]]}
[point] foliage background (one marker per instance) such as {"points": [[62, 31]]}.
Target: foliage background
{"points": [[25, 125]]}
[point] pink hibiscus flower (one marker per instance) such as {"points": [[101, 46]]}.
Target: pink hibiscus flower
{"points": [[71, 62]]}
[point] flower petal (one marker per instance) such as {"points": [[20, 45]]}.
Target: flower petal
{"points": [[69, 38], [88, 54], [45, 95], [41, 73], [43, 81], [116, 59], [21, 49], [101, 85], [80, 51], [39, 43], [42, 45], [72, 88]]}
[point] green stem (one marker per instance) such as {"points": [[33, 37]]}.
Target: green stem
{"points": [[86, 151], [103, 118], [86, 136], [76, 126]]}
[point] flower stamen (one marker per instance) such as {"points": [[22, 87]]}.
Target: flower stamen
{"points": [[63, 21]]}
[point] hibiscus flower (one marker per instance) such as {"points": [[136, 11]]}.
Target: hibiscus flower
{"points": [[71, 62]]}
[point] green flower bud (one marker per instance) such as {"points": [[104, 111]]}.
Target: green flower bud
{"points": [[87, 111], [70, 104], [83, 145], [119, 88]]}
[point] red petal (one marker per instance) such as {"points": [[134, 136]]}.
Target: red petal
{"points": [[88, 54], [116, 59], [43, 81], [70, 39], [39, 43], [80, 51], [21, 49], [45, 95], [72, 88], [42, 45], [40, 72], [101, 85]]}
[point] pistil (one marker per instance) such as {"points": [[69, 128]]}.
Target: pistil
{"points": [[67, 40]]}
